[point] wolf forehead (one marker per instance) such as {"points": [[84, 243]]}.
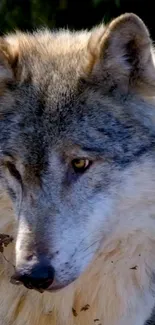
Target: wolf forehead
{"points": [[47, 68], [52, 61], [40, 100], [51, 100], [60, 87]]}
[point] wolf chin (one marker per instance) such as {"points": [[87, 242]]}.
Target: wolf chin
{"points": [[77, 160]]}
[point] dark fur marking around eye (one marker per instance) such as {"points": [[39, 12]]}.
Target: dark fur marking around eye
{"points": [[11, 193], [13, 171], [70, 177]]}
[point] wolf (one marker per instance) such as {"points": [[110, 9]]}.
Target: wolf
{"points": [[77, 161]]}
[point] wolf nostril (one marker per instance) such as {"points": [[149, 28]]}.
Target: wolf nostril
{"points": [[39, 277], [15, 280]]}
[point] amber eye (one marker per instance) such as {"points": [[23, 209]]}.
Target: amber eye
{"points": [[80, 165]]}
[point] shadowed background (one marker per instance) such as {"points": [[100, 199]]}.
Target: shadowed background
{"points": [[74, 14]]}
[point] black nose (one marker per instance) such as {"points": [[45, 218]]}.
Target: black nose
{"points": [[38, 277]]}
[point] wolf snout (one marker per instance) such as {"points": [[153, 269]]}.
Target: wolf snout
{"points": [[39, 276]]}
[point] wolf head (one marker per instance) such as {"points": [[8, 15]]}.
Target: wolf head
{"points": [[75, 124]]}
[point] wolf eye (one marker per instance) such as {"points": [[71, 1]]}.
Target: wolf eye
{"points": [[80, 165]]}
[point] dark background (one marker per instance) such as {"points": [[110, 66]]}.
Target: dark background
{"points": [[75, 14]]}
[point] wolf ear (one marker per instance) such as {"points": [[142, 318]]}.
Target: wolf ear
{"points": [[122, 55], [8, 61]]}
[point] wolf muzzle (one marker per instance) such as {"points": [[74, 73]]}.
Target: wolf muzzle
{"points": [[38, 276]]}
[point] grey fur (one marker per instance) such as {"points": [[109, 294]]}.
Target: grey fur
{"points": [[58, 112]]}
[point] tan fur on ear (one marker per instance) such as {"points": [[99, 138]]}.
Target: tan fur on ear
{"points": [[94, 47], [8, 58], [124, 54]]}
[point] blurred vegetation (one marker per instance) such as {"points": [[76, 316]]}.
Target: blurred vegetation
{"points": [[74, 14]]}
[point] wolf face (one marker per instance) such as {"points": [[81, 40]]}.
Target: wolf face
{"points": [[75, 124]]}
